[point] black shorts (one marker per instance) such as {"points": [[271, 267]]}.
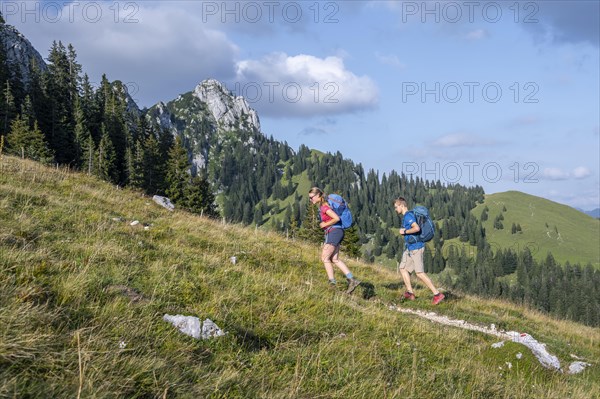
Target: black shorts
{"points": [[334, 236]]}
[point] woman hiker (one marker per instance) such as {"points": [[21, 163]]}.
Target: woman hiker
{"points": [[334, 234]]}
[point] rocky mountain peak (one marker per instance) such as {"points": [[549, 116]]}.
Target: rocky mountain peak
{"points": [[229, 111], [19, 51]]}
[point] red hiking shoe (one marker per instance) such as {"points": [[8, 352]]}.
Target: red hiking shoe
{"points": [[438, 298], [409, 295]]}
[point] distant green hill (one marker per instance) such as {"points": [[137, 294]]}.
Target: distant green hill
{"points": [[83, 292], [546, 227]]}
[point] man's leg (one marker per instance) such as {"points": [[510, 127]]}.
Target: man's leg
{"points": [[425, 279]]}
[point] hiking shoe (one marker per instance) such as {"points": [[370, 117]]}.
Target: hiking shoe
{"points": [[438, 298], [409, 295], [352, 284]]}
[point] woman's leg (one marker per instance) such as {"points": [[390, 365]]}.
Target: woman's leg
{"points": [[326, 255], [338, 262]]}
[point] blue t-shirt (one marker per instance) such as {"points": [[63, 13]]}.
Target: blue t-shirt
{"points": [[407, 221]]}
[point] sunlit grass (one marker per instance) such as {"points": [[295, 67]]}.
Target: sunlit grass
{"points": [[83, 293]]}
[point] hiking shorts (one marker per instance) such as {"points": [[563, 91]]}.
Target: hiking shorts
{"points": [[334, 236], [413, 260]]}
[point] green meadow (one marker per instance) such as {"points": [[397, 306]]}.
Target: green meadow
{"points": [[83, 294]]}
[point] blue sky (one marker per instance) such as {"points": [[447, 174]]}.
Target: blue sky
{"points": [[503, 94]]}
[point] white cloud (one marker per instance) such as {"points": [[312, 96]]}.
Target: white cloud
{"points": [[461, 140], [280, 85], [313, 131], [390, 59], [555, 174], [159, 49], [581, 172], [524, 120], [477, 34]]}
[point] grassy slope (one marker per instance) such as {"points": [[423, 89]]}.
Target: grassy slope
{"points": [[62, 316], [577, 240]]}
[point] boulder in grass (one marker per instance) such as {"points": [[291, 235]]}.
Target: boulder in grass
{"points": [[164, 202], [190, 325]]}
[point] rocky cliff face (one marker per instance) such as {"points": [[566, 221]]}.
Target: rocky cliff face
{"points": [[228, 111], [19, 51], [208, 117]]}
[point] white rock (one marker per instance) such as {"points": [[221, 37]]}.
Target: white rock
{"points": [[539, 349], [577, 367], [190, 325], [164, 202]]}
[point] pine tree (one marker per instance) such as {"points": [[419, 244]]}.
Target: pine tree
{"points": [[258, 215], [57, 87], [153, 168], [26, 142], [40, 102], [114, 122], [178, 172], [351, 243], [81, 133], [484, 214], [27, 112], [88, 156], [106, 167], [8, 111], [199, 197], [4, 79], [135, 165], [310, 230]]}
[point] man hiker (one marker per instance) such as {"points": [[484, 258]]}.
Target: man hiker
{"points": [[412, 258]]}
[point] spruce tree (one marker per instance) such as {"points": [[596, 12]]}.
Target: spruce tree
{"points": [[8, 111], [135, 165], [40, 102], [153, 168], [59, 86], [199, 197], [178, 172], [27, 142], [88, 156], [351, 243], [81, 133], [310, 230], [27, 112], [106, 160], [4, 78]]}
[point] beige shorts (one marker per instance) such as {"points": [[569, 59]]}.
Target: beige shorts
{"points": [[413, 260]]}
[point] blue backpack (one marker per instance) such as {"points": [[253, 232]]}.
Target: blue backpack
{"points": [[339, 206], [425, 224]]}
